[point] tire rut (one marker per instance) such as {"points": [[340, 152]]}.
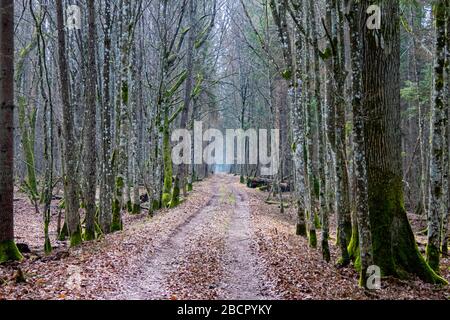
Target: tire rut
{"points": [[151, 283], [244, 273], [240, 272]]}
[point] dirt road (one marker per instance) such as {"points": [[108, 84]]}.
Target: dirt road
{"points": [[223, 242], [211, 254]]}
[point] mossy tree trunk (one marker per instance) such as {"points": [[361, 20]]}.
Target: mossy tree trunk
{"points": [[322, 167], [422, 204], [167, 149], [446, 216], [168, 88], [167, 157], [136, 112], [27, 125], [189, 86], [360, 247], [394, 247], [438, 142], [72, 204], [310, 128], [330, 124], [49, 139], [340, 143], [175, 194], [293, 74], [121, 152], [8, 249], [107, 178], [90, 145]]}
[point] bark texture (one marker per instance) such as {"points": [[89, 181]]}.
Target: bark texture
{"points": [[394, 247]]}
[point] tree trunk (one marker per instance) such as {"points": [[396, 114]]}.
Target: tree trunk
{"points": [[422, 203], [121, 154], [107, 183], [183, 170], [298, 124], [365, 257], [446, 217], [310, 120], [394, 247], [342, 187], [438, 142], [324, 214], [8, 249], [136, 79], [69, 150], [90, 144]]}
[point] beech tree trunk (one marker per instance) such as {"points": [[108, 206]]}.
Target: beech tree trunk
{"points": [[72, 204], [91, 126], [183, 170], [107, 182], [121, 152], [322, 168], [438, 141], [446, 218], [365, 257]]}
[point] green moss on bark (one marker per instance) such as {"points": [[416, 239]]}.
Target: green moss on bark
{"points": [[64, 233], [116, 224], [166, 199], [394, 246], [129, 206], [353, 246], [317, 222], [433, 256], [136, 209], [167, 157], [175, 194], [189, 187], [326, 250], [9, 252], [286, 74], [301, 229], [47, 246], [76, 238], [156, 205], [312, 239], [89, 235]]}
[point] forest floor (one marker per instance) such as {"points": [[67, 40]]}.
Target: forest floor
{"points": [[222, 242]]}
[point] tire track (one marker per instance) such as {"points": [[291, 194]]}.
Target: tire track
{"points": [[244, 273], [151, 283]]}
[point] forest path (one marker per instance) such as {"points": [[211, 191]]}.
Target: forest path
{"points": [[212, 254], [223, 242], [244, 276]]}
